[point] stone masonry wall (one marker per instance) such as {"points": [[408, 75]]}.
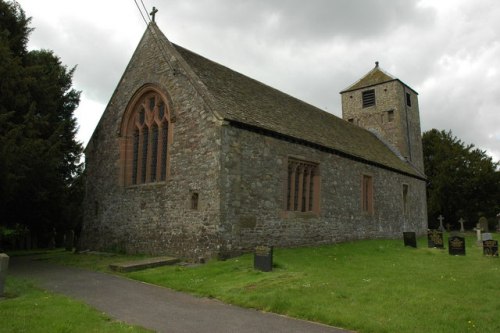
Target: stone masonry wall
{"points": [[254, 182], [155, 218], [390, 97]]}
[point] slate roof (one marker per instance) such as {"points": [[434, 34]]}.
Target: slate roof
{"points": [[373, 77], [243, 100]]}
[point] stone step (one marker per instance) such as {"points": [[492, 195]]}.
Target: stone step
{"points": [[143, 264]]}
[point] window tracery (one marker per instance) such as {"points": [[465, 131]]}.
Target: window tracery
{"points": [[145, 139]]}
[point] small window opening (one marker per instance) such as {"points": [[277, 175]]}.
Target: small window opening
{"points": [[405, 198], [194, 201], [390, 115], [367, 194], [408, 99], [351, 120], [368, 98]]}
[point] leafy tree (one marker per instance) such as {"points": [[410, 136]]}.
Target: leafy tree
{"points": [[39, 155], [463, 181]]}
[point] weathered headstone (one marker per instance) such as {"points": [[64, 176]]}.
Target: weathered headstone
{"points": [[490, 248], [4, 265], [486, 236], [69, 239], [263, 258], [441, 219], [461, 221], [456, 246], [479, 241], [410, 239], [435, 239], [483, 222], [498, 218]]}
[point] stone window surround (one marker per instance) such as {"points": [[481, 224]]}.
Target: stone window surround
{"points": [[314, 210], [128, 128]]}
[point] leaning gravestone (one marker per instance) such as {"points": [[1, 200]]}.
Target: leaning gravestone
{"points": [[490, 248], [263, 258], [410, 239], [435, 239], [456, 246], [4, 265]]}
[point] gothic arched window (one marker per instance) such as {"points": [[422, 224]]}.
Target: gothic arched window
{"points": [[145, 138]]}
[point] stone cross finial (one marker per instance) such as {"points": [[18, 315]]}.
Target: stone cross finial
{"points": [[153, 13], [441, 219], [461, 221]]}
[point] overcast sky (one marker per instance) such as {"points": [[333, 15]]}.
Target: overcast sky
{"points": [[448, 51]]}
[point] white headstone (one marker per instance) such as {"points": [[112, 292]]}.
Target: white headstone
{"points": [[461, 221], [487, 236]]}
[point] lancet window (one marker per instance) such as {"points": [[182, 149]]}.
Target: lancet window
{"points": [[302, 186]]}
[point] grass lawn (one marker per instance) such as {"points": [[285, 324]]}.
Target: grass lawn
{"points": [[368, 286], [29, 309]]}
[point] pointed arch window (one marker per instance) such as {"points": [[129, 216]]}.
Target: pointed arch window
{"points": [[145, 138]]}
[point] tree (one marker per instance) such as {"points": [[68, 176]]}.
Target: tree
{"points": [[463, 181], [39, 155]]}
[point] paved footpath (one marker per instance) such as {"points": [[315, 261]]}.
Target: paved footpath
{"points": [[154, 307]]}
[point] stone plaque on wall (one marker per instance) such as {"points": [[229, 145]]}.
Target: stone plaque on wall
{"points": [[263, 258], [435, 239]]}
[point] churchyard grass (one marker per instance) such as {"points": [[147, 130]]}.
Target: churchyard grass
{"points": [[29, 309], [368, 286]]}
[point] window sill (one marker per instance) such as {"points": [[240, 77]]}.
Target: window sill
{"points": [[155, 184], [302, 215]]}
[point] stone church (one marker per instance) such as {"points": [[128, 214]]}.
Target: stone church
{"points": [[193, 159]]}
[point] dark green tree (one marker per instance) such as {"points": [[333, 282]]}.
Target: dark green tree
{"points": [[463, 181], [39, 155]]}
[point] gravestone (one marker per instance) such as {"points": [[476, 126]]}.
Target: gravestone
{"points": [[461, 221], [69, 239], [486, 236], [483, 223], [479, 241], [490, 248], [410, 239], [4, 265], [498, 218], [435, 239], [441, 219], [456, 246], [263, 258]]}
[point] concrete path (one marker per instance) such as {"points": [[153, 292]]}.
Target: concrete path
{"points": [[154, 307]]}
